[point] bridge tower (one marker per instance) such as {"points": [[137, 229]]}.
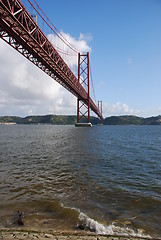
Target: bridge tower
{"points": [[83, 105], [100, 119]]}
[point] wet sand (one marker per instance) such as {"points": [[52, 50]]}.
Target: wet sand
{"points": [[9, 234]]}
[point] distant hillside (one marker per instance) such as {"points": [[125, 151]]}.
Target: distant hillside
{"points": [[123, 120], [47, 119], [70, 120], [132, 120]]}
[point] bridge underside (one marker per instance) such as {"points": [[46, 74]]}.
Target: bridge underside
{"points": [[19, 30]]}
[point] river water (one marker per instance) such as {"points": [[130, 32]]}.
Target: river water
{"points": [[105, 178]]}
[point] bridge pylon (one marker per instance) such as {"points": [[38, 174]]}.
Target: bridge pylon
{"points": [[83, 105], [100, 119]]}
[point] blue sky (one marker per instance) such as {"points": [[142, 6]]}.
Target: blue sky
{"points": [[125, 41]]}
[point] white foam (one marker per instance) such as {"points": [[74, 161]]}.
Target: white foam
{"points": [[111, 229]]}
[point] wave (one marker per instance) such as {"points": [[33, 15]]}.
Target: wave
{"points": [[101, 229], [54, 213], [84, 222]]}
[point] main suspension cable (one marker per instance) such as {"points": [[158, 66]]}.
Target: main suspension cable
{"points": [[52, 26]]}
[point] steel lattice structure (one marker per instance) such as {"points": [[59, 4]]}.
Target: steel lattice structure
{"points": [[83, 78], [19, 30]]}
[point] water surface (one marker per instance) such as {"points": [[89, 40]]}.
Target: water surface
{"points": [[106, 178]]}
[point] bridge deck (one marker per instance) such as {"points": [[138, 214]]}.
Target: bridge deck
{"points": [[18, 29]]}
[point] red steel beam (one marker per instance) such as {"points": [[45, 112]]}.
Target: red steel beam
{"points": [[83, 78], [19, 30]]}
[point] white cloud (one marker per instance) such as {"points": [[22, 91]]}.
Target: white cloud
{"points": [[119, 109], [79, 44], [25, 89], [87, 37]]}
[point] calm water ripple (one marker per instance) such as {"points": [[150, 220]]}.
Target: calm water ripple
{"points": [[107, 178]]}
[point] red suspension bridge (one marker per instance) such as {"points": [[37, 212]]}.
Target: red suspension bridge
{"points": [[20, 28]]}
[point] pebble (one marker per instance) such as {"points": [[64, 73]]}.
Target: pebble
{"points": [[10, 235]]}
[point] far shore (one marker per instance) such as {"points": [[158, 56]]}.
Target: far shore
{"points": [[8, 123], [71, 120]]}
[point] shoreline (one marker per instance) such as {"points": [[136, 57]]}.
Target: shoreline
{"points": [[71, 120], [17, 233]]}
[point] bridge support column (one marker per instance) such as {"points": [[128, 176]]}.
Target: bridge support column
{"points": [[83, 107], [100, 119]]}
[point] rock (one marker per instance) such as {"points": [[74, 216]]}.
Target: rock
{"points": [[127, 222], [81, 226], [20, 220], [47, 236]]}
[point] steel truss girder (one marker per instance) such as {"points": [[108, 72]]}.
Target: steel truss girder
{"points": [[19, 30]]}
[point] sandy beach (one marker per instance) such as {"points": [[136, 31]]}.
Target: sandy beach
{"points": [[9, 234]]}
